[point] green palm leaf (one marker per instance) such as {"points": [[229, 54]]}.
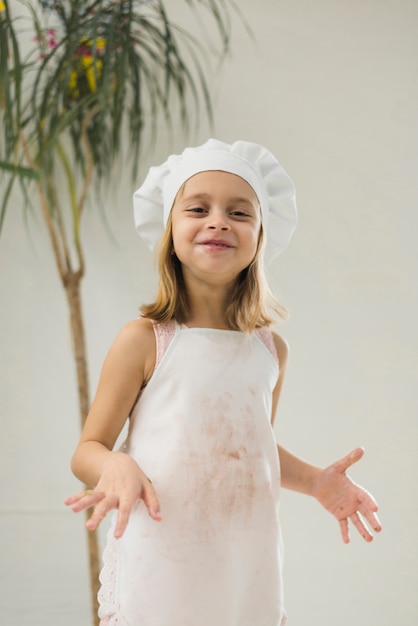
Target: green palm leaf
{"points": [[125, 60]]}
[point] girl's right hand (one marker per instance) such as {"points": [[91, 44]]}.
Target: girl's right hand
{"points": [[121, 485]]}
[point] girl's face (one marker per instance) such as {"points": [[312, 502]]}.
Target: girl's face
{"points": [[216, 219]]}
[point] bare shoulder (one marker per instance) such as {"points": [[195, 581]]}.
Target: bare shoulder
{"points": [[135, 345], [128, 364], [136, 331], [282, 348]]}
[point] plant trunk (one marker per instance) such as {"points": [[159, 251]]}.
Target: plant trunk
{"points": [[72, 286]]}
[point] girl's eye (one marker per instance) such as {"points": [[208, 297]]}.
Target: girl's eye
{"points": [[196, 209], [240, 214]]}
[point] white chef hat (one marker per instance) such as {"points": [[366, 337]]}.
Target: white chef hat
{"points": [[254, 163]]}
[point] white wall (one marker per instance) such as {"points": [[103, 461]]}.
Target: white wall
{"points": [[330, 88]]}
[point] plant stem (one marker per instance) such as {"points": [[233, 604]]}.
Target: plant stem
{"points": [[71, 281], [72, 286]]}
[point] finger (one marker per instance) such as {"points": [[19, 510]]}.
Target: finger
{"points": [[372, 519], [100, 512], [343, 464], [375, 523], [368, 509], [361, 527], [345, 532], [123, 518], [84, 500], [151, 501], [74, 498]]}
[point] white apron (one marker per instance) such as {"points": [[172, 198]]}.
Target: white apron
{"points": [[201, 431]]}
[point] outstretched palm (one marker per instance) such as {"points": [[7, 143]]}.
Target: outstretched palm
{"points": [[345, 499]]}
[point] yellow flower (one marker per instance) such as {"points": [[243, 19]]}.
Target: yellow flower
{"points": [[100, 43], [86, 67], [91, 71], [72, 85], [2, 6], [88, 44]]}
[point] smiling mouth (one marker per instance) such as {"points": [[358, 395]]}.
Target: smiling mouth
{"points": [[222, 245]]}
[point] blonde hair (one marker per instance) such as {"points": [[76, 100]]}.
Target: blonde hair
{"points": [[251, 299]]}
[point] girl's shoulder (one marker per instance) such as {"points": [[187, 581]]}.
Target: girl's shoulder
{"points": [[135, 345], [282, 347], [274, 343], [136, 331]]}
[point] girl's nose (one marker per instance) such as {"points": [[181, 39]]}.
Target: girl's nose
{"points": [[218, 221]]}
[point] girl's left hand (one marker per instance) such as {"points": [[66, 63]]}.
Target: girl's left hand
{"points": [[346, 500]]}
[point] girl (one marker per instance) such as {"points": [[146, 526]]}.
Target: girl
{"points": [[195, 540]]}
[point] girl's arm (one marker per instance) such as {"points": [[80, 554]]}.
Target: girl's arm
{"points": [[117, 480], [337, 493], [330, 486]]}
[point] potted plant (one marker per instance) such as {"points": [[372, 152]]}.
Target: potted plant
{"points": [[75, 77]]}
